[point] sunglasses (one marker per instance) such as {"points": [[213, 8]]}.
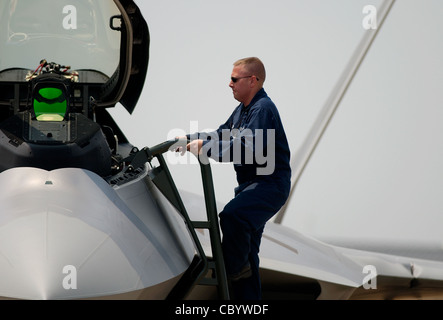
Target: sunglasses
{"points": [[234, 79]]}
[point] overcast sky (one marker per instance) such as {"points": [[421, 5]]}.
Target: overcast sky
{"points": [[377, 171]]}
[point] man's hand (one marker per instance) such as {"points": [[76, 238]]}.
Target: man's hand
{"points": [[180, 145], [194, 146]]}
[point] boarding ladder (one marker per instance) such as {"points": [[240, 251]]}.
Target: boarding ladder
{"points": [[201, 266]]}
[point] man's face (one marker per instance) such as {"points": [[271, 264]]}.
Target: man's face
{"points": [[241, 88]]}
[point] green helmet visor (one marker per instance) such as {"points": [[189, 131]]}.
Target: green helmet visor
{"points": [[50, 104]]}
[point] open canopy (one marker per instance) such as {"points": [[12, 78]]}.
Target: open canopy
{"points": [[104, 37]]}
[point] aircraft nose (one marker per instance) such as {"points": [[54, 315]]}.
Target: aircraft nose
{"points": [[74, 238], [51, 255]]}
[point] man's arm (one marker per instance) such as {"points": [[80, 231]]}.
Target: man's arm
{"points": [[194, 146]]}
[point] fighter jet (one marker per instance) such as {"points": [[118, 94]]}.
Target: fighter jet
{"points": [[84, 214], [78, 219]]}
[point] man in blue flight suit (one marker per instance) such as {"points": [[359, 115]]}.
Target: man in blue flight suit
{"points": [[253, 138]]}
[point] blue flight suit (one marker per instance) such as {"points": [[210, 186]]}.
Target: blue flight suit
{"points": [[253, 138]]}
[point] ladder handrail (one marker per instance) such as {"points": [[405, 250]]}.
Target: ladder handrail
{"points": [[146, 155]]}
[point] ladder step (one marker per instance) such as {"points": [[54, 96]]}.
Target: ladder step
{"points": [[211, 264], [209, 282], [211, 278], [201, 224]]}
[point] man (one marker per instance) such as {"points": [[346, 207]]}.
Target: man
{"points": [[253, 138]]}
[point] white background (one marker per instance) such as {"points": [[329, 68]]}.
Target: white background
{"points": [[377, 171]]}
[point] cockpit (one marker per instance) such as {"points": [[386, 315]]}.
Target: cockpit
{"points": [[77, 33], [62, 63]]}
